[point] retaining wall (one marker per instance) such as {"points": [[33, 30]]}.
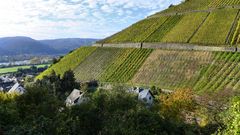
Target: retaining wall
{"points": [[124, 45], [187, 47], [171, 46]]}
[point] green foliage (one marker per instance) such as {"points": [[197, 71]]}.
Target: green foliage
{"points": [[216, 28], [182, 32], [223, 73], [126, 70], [174, 105], [236, 35], [137, 32], [60, 87], [69, 62], [16, 68], [164, 29], [232, 118], [115, 64], [39, 112]]}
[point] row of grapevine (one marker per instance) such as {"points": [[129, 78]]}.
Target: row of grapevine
{"points": [[222, 3], [216, 28], [137, 32], [164, 29], [128, 66], [116, 63], [187, 5], [236, 35], [223, 73], [172, 69], [69, 62], [95, 64], [182, 32]]}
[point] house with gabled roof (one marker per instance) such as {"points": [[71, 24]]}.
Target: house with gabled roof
{"points": [[144, 95], [17, 88], [75, 98]]}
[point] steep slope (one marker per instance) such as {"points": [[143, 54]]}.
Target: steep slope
{"points": [[194, 22], [201, 71], [200, 39]]}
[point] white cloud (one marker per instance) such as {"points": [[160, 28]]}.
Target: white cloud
{"points": [[73, 18]]}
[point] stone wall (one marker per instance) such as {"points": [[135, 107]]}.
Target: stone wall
{"points": [[171, 46], [124, 45]]}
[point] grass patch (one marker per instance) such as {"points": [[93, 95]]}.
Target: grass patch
{"points": [[15, 69]]}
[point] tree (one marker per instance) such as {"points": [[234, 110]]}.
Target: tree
{"points": [[231, 118], [172, 106], [68, 83]]}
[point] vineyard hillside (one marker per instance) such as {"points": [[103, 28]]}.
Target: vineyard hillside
{"points": [[193, 22], [169, 69], [210, 63]]}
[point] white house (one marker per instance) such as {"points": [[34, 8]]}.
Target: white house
{"points": [[146, 96], [75, 98], [17, 88]]}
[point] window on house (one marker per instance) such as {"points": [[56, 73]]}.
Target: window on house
{"points": [[150, 98]]}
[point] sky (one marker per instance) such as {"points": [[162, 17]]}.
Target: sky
{"points": [[50, 19]]}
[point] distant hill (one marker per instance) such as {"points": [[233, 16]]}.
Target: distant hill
{"points": [[67, 44], [28, 46], [23, 45]]}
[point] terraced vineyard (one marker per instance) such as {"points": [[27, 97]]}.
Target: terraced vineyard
{"points": [[222, 3], [172, 69], [216, 28], [222, 73], [115, 65], [236, 35], [70, 61], [204, 24], [127, 65], [138, 32], [184, 30], [164, 29], [188, 5], [96, 63]]}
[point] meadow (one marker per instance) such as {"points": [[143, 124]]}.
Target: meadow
{"points": [[15, 68]]}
